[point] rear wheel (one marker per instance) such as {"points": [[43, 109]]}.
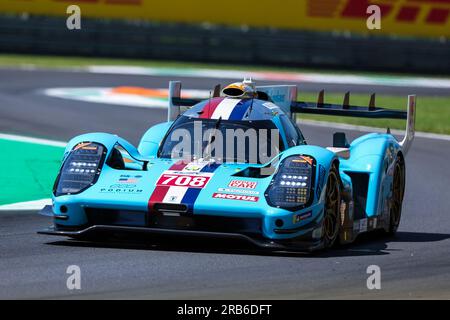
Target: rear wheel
{"points": [[331, 219], [398, 191]]}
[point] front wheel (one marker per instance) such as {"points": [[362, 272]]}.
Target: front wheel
{"points": [[331, 219]]}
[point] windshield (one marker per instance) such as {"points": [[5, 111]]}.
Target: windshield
{"points": [[222, 140]]}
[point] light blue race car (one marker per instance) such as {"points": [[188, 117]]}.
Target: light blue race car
{"points": [[235, 166]]}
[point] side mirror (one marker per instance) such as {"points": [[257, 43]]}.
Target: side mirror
{"points": [[340, 140]]}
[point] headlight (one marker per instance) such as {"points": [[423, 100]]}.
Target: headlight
{"points": [[80, 169], [291, 188]]}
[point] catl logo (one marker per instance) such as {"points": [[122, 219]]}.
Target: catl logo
{"points": [[434, 11], [242, 184]]}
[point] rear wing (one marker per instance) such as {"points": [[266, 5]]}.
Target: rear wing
{"points": [[371, 111], [174, 100], [285, 97]]}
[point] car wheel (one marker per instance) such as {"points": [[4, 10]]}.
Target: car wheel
{"points": [[331, 219], [398, 191]]}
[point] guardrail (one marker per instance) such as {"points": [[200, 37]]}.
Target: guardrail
{"points": [[219, 44]]}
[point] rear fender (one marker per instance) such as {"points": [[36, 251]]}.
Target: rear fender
{"points": [[374, 155]]}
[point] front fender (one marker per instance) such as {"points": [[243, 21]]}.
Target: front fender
{"points": [[106, 139]]}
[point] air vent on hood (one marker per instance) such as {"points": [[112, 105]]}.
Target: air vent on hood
{"points": [[170, 209]]}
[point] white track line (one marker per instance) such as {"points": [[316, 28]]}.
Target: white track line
{"points": [[309, 77], [375, 80], [344, 126], [45, 142], [27, 205]]}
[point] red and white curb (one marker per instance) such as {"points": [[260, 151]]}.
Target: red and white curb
{"points": [[112, 96]]}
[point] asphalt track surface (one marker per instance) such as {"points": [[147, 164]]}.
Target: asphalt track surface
{"points": [[414, 264]]}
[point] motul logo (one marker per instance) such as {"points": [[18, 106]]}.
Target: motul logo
{"points": [[235, 197], [433, 11]]}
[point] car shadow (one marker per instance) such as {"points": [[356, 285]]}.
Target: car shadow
{"points": [[374, 243], [377, 243]]}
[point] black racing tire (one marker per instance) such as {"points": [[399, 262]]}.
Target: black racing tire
{"points": [[332, 217], [398, 192]]}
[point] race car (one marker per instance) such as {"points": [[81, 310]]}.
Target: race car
{"points": [[236, 166]]}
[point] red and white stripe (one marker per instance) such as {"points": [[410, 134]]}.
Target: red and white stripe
{"points": [[175, 194], [225, 108]]}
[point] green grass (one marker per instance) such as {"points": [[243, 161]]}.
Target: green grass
{"points": [[13, 60], [61, 62], [433, 113], [28, 171]]}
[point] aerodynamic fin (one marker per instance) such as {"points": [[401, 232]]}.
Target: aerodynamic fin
{"points": [[175, 100], [347, 110], [174, 92], [410, 124]]}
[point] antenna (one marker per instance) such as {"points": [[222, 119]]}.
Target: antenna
{"points": [[209, 106]]}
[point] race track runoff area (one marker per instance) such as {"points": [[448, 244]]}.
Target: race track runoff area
{"points": [[28, 170]]}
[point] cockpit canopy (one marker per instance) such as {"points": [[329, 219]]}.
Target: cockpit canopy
{"points": [[230, 141], [231, 130]]}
